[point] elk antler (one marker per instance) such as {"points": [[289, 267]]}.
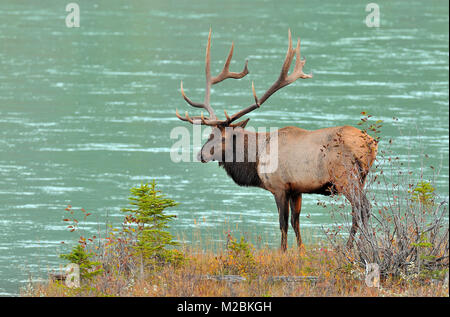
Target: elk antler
{"points": [[224, 74], [283, 80]]}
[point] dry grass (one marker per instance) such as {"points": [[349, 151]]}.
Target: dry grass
{"points": [[186, 279]]}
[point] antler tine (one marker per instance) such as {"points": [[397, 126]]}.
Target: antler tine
{"points": [[208, 71], [243, 112], [298, 68], [226, 115], [193, 120], [225, 73], [206, 121], [204, 105], [189, 101], [283, 80], [178, 115], [288, 60], [186, 118], [254, 95], [193, 104]]}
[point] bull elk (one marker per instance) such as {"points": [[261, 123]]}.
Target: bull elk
{"points": [[327, 161]]}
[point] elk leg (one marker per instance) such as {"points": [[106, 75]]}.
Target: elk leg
{"points": [[283, 213], [296, 207]]}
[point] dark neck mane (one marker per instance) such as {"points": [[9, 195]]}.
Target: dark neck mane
{"points": [[243, 173]]}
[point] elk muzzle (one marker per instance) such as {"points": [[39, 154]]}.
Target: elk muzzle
{"points": [[204, 157]]}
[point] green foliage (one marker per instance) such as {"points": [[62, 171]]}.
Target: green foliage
{"points": [[239, 259], [423, 242], [423, 193], [438, 274], [240, 249], [79, 255], [148, 222]]}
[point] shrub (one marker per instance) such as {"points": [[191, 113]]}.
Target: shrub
{"points": [[141, 243], [81, 254], [408, 232]]}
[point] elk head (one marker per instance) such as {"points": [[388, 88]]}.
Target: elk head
{"points": [[222, 130]]}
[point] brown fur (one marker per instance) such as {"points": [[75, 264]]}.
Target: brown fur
{"points": [[326, 161]]}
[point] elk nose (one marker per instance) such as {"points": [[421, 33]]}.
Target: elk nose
{"points": [[200, 157]]}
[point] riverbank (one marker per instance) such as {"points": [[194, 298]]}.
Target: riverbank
{"points": [[312, 271]]}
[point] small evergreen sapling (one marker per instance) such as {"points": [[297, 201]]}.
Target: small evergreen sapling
{"points": [[79, 255], [148, 222]]}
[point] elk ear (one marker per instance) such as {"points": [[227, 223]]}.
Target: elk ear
{"points": [[241, 124]]}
